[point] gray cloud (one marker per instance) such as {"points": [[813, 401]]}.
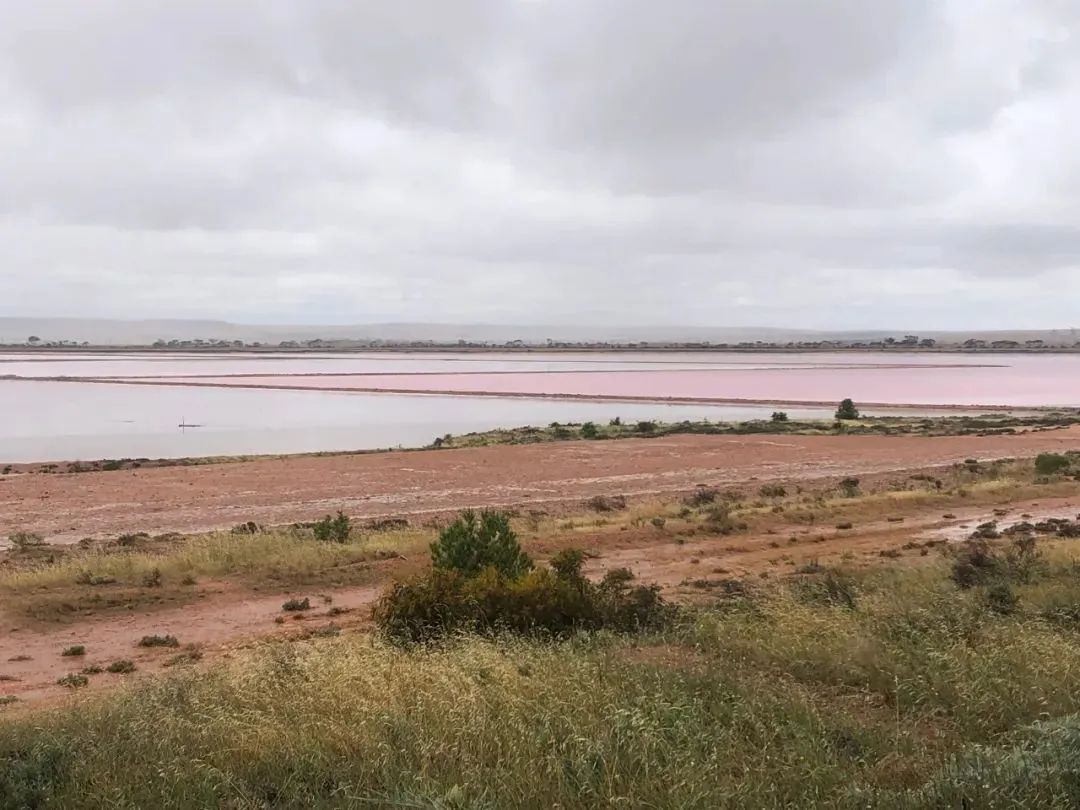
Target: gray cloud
{"points": [[827, 163]]}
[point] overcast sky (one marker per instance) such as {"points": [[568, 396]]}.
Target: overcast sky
{"points": [[805, 163]]}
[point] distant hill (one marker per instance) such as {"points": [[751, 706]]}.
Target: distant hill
{"points": [[144, 332]]}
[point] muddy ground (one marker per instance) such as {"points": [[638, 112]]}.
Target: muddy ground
{"points": [[70, 506]]}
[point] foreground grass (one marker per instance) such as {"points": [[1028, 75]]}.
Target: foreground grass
{"points": [[913, 693]]}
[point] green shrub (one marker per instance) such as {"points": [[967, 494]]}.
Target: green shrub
{"points": [[589, 430], [1051, 463], [779, 416], [74, 650], [121, 667], [475, 541], [847, 410], [646, 426], [552, 601], [333, 529], [297, 605]]}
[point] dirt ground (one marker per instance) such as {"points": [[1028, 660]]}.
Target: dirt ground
{"points": [[70, 506], [224, 618]]}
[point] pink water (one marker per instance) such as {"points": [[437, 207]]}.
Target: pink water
{"points": [[1021, 381]]}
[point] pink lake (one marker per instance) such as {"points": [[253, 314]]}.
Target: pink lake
{"points": [[938, 380]]}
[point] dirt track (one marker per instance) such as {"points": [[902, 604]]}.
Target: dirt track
{"points": [[274, 491]]}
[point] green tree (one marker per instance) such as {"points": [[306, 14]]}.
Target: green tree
{"points": [[779, 416], [847, 410], [476, 541]]}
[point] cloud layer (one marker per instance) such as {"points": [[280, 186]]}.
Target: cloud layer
{"points": [[829, 163]]}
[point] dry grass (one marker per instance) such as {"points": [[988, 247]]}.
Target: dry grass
{"points": [[167, 576]]}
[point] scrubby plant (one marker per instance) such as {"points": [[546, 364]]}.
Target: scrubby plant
{"points": [[646, 426], [778, 416], [773, 491], [121, 667], [74, 650], [297, 605], [589, 430], [333, 529], [479, 540], [73, 680]]}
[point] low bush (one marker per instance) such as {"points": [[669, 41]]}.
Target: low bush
{"points": [[1051, 463], [589, 430], [74, 650], [297, 605], [773, 491], [121, 667], [778, 416]]}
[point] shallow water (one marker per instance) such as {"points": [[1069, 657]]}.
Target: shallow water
{"points": [[52, 421]]}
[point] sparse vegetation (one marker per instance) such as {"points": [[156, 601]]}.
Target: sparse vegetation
{"points": [[297, 605], [779, 416], [73, 651], [159, 641], [121, 667]]}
